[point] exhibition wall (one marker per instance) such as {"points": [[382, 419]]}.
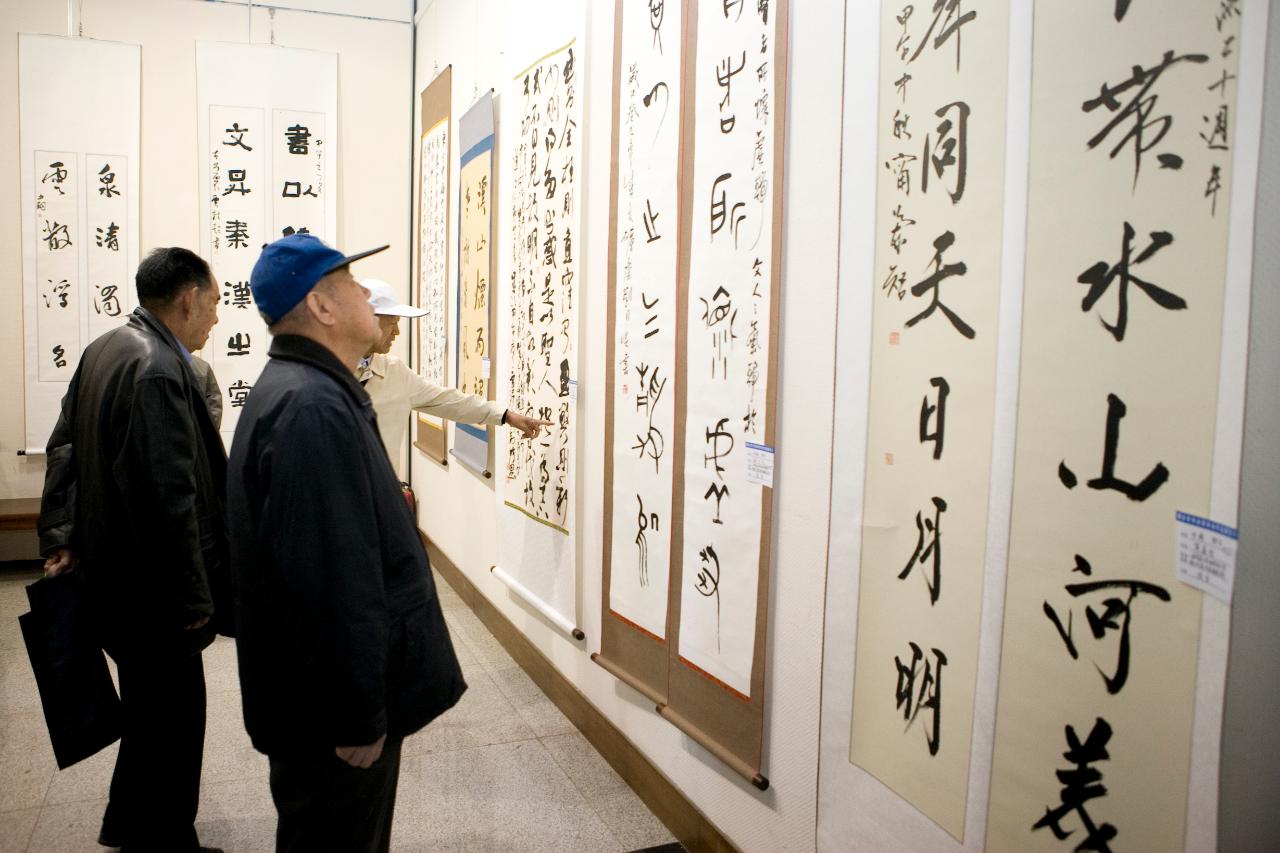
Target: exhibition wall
{"points": [[374, 104], [482, 40], [854, 803], [836, 178], [822, 411]]}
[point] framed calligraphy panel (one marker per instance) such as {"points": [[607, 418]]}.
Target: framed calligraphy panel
{"points": [[940, 197], [267, 123], [1131, 158], [433, 252], [542, 191], [79, 207], [475, 274], [644, 367]]}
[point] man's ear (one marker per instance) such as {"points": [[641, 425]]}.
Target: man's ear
{"points": [[188, 301], [318, 303]]}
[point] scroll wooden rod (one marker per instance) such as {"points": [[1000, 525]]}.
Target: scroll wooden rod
{"points": [[628, 679], [538, 604], [734, 763]]}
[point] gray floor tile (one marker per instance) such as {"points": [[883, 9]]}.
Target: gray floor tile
{"points": [[484, 646], [237, 815], [475, 779], [86, 780], [68, 828], [508, 797], [533, 706], [26, 761], [463, 621], [17, 684], [481, 718], [11, 634], [15, 829], [228, 753], [220, 669], [630, 821], [584, 766], [466, 657]]}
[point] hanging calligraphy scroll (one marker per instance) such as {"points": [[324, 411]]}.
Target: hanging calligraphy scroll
{"points": [[542, 110], [79, 158], [475, 274], [433, 252], [732, 219], [267, 126], [940, 197], [644, 292], [1126, 263]]}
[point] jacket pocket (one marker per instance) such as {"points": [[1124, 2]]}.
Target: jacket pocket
{"points": [[424, 678]]}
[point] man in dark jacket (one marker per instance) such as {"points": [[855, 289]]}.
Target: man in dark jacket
{"points": [[134, 500], [342, 646]]}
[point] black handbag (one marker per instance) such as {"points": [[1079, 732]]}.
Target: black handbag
{"points": [[81, 707]]}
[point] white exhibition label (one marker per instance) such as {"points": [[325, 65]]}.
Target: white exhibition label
{"points": [[760, 464], [1206, 555]]}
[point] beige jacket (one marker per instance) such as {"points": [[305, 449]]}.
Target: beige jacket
{"points": [[396, 389]]}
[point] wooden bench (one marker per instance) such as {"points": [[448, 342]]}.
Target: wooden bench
{"points": [[19, 513]]}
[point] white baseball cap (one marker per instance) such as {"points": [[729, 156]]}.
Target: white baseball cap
{"points": [[383, 299]]}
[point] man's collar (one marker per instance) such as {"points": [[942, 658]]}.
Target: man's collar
{"points": [[373, 365], [304, 350], [151, 321]]}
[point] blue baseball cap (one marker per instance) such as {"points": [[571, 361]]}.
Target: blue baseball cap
{"points": [[288, 268]]}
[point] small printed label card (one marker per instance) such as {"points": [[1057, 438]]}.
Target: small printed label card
{"points": [[1206, 555]]}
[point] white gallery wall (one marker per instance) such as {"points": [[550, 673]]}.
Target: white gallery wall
{"points": [[816, 798], [458, 511], [375, 88], [854, 806]]}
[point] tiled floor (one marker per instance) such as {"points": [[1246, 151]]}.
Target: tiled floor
{"points": [[503, 771]]}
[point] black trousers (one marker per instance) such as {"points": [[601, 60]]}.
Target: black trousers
{"points": [[324, 803], [155, 790]]}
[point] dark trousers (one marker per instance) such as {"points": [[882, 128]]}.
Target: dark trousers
{"points": [[155, 790], [326, 804]]}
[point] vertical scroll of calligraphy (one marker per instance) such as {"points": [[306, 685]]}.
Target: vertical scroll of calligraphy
{"points": [[640, 419], [475, 272], [542, 114], [433, 251], [1126, 262], [79, 207], [236, 228], [266, 119], [59, 294], [732, 221], [110, 275], [943, 77]]}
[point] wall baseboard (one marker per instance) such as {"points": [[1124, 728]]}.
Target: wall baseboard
{"points": [[690, 827]]}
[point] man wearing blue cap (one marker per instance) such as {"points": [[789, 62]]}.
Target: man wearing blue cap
{"points": [[342, 646]]}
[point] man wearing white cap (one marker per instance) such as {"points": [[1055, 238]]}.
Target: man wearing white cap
{"points": [[395, 388]]}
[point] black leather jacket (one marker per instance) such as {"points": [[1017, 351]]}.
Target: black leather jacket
{"points": [[340, 636], [135, 486]]}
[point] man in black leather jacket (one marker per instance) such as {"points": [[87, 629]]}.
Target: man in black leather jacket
{"points": [[342, 646], [134, 501]]}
